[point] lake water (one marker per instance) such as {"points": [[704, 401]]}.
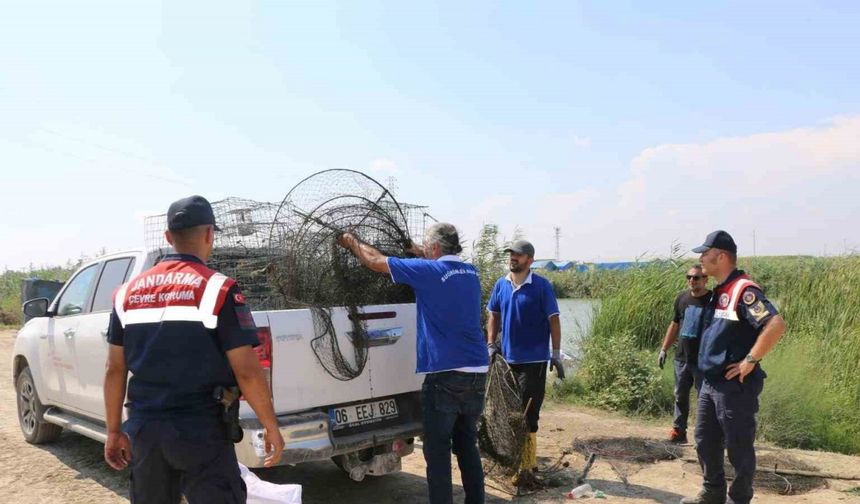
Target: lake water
{"points": [[576, 317]]}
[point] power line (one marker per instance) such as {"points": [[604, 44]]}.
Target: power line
{"points": [[30, 143]]}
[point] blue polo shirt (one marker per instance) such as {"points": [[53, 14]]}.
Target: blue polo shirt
{"points": [[525, 313], [448, 306]]}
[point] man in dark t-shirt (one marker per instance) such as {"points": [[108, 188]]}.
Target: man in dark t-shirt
{"points": [[685, 323]]}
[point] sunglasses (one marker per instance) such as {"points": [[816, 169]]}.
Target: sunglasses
{"points": [[696, 277]]}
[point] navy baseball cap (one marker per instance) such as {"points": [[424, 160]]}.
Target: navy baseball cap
{"points": [[720, 240], [521, 247], [189, 212]]}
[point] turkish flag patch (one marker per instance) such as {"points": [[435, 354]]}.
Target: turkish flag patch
{"points": [[239, 298]]}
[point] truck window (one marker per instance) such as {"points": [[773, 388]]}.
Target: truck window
{"points": [[75, 296], [113, 274]]}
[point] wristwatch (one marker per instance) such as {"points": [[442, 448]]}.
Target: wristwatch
{"points": [[752, 360]]}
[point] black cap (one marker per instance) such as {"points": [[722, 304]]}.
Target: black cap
{"points": [[718, 239], [521, 247], [189, 212]]}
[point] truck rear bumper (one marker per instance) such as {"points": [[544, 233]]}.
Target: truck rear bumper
{"points": [[308, 437]]}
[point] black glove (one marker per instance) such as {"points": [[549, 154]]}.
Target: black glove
{"points": [[555, 363]]}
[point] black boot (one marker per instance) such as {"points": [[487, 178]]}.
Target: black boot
{"points": [[706, 497]]}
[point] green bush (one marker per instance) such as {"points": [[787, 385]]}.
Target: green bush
{"points": [[571, 390], [618, 376]]}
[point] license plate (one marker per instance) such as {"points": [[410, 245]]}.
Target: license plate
{"points": [[362, 414]]}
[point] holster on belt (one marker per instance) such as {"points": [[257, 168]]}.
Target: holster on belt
{"points": [[229, 399]]}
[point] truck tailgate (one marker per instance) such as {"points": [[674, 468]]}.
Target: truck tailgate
{"points": [[300, 382], [391, 360]]}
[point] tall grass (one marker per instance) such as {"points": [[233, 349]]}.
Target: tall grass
{"points": [[812, 395]]}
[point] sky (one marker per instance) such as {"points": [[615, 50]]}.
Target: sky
{"points": [[630, 126]]}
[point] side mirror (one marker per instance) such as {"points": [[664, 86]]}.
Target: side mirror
{"points": [[36, 307]]}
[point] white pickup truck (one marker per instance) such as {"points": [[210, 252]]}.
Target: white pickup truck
{"points": [[365, 425]]}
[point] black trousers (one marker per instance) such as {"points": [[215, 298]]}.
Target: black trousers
{"points": [[531, 378], [725, 421], [686, 376], [190, 457]]}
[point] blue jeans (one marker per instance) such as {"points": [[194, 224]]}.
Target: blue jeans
{"points": [[452, 403], [725, 421], [686, 376]]}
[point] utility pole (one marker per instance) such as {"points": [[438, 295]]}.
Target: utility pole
{"points": [[557, 238], [754, 243]]}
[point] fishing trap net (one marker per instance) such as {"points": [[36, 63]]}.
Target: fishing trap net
{"points": [[503, 429], [502, 434], [285, 255]]}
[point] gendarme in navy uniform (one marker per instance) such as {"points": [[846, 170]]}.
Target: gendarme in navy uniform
{"points": [[739, 327], [183, 330]]}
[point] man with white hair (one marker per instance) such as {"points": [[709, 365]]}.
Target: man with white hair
{"points": [[451, 353]]}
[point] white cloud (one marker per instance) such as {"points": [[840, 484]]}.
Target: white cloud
{"points": [[384, 166], [584, 142], [795, 189]]}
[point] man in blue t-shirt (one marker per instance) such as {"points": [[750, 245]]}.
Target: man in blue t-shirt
{"points": [[451, 353], [524, 305]]}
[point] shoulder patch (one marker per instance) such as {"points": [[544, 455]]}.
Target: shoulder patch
{"points": [[749, 297], [759, 311]]}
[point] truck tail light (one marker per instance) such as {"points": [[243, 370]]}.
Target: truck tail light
{"points": [[264, 354], [264, 351]]}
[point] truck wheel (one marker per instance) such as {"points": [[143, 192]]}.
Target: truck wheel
{"points": [[30, 410]]}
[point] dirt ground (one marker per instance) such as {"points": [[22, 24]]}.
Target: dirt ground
{"points": [[72, 470]]}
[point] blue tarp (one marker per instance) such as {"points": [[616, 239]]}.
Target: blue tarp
{"points": [[546, 265], [550, 265]]}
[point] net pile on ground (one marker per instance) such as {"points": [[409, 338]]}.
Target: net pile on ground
{"points": [[630, 449], [286, 256], [627, 455], [773, 474]]}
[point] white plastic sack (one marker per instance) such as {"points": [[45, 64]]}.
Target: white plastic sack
{"points": [[263, 492]]}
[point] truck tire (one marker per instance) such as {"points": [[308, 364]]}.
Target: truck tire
{"points": [[30, 410]]}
